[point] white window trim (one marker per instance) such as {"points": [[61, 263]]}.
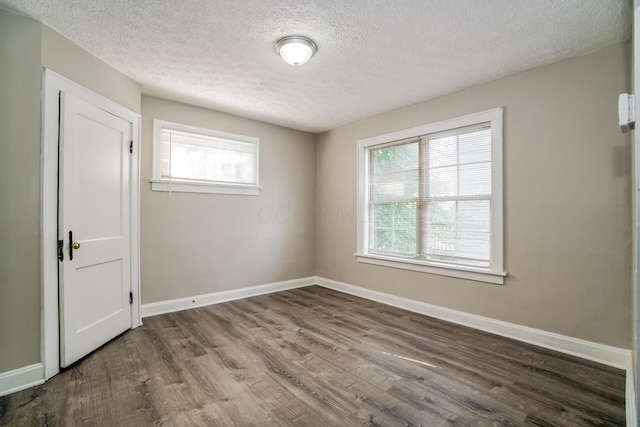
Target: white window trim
{"points": [[495, 273], [194, 186]]}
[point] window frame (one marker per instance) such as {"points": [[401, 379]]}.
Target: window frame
{"points": [[158, 183], [495, 272]]}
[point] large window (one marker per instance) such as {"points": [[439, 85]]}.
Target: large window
{"points": [[192, 159], [431, 198]]}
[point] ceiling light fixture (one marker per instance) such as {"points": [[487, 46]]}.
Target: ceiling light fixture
{"points": [[296, 50]]}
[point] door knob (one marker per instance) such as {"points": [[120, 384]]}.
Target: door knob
{"points": [[76, 245]]}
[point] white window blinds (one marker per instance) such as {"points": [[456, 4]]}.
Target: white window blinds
{"points": [[430, 197], [194, 156], [456, 222], [394, 195]]}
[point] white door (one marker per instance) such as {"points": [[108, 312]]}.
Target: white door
{"points": [[94, 225]]}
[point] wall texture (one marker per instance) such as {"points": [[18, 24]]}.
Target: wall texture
{"points": [[193, 244], [20, 191], [71, 61], [27, 46], [567, 201]]}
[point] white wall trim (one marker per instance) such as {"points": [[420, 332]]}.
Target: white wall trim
{"points": [[169, 306], [136, 132], [21, 378], [607, 355], [203, 187], [630, 398], [495, 272], [433, 268], [611, 356], [53, 83]]}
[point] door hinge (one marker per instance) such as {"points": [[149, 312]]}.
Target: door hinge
{"points": [[131, 146], [60, 253], [130, 297]]}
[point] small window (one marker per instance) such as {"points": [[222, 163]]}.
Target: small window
{"points": [[192, 159], [431, 198]]}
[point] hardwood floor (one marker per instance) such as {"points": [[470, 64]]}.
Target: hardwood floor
{"points": [[316, 357]]}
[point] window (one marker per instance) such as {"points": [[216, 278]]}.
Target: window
{"points": [[430, 198], [198, 160]]}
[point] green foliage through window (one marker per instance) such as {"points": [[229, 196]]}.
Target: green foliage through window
{"points": [[444, 218]]}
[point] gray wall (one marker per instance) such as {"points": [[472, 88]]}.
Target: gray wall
{"points": [[25, 47], [567, 201], [19, 191], [193, 244], [71, 61], [569, 272]]}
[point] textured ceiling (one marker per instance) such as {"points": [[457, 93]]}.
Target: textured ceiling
{"points": [[373, 55]]}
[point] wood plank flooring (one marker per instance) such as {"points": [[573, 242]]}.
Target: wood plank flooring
{"points": [[316, 357]]}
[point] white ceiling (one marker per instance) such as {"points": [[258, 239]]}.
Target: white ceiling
{"points": [[373, 55]]}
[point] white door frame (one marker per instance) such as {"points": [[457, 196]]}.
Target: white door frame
{"points": [[52, 84]]}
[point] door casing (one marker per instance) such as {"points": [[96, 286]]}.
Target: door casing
{"points": [[53, 84]]}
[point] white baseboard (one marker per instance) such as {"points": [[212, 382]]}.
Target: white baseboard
{"points": [[33, 375], [169, 306], [607, 355], [630, 399], [21, 378]]}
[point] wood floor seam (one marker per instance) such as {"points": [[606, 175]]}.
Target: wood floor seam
{"points": [[316, 357]]}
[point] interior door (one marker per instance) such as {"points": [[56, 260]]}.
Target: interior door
{"points": [[94, 227]]}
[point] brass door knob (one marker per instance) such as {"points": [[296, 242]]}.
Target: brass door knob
{"points": [[76, 245]]}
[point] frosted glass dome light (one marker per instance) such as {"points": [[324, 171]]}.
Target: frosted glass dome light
{"points": [[296, 50]]}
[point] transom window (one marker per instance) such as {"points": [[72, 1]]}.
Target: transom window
{"points": [[192, 159], [432, 198]]}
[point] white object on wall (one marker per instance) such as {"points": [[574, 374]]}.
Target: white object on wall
{"points": [[626, 112]]}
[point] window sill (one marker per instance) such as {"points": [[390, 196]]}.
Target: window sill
{"points": [[469, 273], [203, 187]]}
